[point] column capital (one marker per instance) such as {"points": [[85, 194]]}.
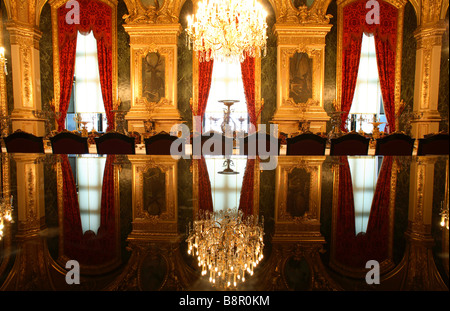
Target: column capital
{"points": [[24, 34], [430, 34]]}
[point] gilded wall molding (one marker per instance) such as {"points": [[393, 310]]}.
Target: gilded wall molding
{"points": [[300, 38], [161, 39], [166, 222], [286, 225]]}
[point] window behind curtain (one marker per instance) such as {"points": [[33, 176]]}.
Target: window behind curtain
{"points": [[89, 172], [87, 93], [226, 84], [364, 171], [367, 99]]}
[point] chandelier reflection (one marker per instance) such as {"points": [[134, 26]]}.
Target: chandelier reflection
{"points": [[227, 245], [6, 208], [228, 30]]}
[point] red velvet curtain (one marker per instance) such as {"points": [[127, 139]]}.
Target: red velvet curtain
{"points": [[355, 250], [386, 57], [248, 79], [94, 16], [355, 24], [350, 66], [89, 248], [67, 48], [205, 70], [205, 202]]}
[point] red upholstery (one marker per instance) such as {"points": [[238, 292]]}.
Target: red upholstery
{"points": [[395, 144], [115, 143], [69, 143], [22, 142], [306, 144], [349, 144], [159, 144], [433, 145]]}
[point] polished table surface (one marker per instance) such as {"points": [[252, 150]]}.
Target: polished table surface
{"points": [[132, 212]]}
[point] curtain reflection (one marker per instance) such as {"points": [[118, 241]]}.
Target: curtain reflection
{"points": [[89, 247], [351, 249]]}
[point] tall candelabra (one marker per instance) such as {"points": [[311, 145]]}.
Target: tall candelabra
{"points": [[227, 120]]}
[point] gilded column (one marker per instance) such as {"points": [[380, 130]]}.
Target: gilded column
{"points": [[301, 31], [418, 265], [30, 269], [153, 34], [25, 36], [428, 59], [4, 126]]}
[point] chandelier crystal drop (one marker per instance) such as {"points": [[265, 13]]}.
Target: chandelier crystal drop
{"points": [[228, 30], [227, 245]]}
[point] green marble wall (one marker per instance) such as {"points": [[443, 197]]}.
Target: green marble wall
{"points": [[123, 61], [269, 69], [408, 59], [46, 58], [443, 80], [126, 203], [329, 87], [184, 78]]}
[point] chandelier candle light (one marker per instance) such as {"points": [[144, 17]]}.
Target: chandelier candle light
{"points": [[227, 245], [228, 30]]}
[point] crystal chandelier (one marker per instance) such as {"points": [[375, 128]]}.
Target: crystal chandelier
{"points": [[227, 245], [228, 30], [6, 208]]}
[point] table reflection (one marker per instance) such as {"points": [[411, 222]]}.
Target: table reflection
{"points": [[124, 219]]}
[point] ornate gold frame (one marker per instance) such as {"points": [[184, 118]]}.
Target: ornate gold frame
{"points": [[166, 223], [139, 54], [286, 225], [144, 39], [304, 37], [400, 5], [55, 4]]}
